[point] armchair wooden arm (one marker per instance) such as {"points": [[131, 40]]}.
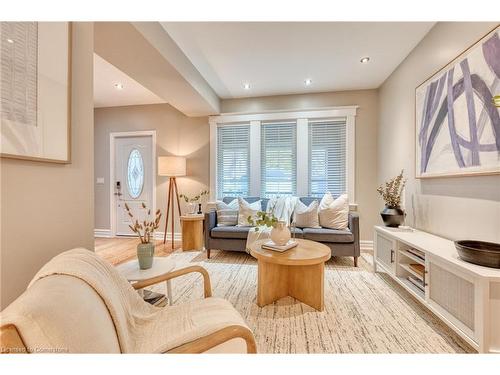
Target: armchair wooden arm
{"points": [[180, 272], [208, 342]]}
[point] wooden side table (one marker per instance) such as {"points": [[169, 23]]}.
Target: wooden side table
{"points": [[192, 232]]}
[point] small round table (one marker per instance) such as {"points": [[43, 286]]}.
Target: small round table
{"points": [[192, 232], [298, 272], [161, 266]]}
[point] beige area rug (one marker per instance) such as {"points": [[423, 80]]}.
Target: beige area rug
{"points": [[364, 312]]}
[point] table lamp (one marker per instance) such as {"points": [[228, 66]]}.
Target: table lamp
{"points": [[172, 167]]}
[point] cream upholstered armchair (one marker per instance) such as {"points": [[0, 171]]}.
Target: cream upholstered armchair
{"points": [[63, 313]]}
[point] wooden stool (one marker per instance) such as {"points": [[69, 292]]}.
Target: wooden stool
{"points": [[192, 232]]}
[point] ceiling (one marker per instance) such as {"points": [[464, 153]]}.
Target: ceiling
{"points": [[106, 76], [276, 57]]}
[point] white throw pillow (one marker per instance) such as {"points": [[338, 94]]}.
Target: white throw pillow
{"points": [[306, 216], [334, 213], [227, 213], [246, 210]]}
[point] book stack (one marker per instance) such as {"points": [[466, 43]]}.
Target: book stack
{"points": [[417, 253], [155, 299], [270, 245], [418, 283]]}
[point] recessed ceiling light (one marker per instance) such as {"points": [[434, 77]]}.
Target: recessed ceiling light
{"points": [[364, 60], [10, 41], [119, 86], [308, 82], [246, 86]]}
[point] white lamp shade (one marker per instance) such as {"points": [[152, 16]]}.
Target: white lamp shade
{"points": [[171, 166]]}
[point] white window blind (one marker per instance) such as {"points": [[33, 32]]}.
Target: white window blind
{"points": [[327, 158], [278, 159], [233, 160]]}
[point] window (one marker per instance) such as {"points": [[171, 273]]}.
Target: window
{"points": [[327, 158], [135, 173], [283, 153], [278, 159], [233, 160]]}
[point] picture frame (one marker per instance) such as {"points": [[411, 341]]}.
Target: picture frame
{"points": [[467, 143], [35, 104]]}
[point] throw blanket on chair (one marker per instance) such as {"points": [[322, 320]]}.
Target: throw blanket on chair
{"points": [[282, 208], [140, 327]]}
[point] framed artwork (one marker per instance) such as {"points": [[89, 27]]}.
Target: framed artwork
{"points": [[456, 121], [35, 91]]}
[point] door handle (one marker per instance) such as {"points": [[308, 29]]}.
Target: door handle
{"points": [[392, 256]]}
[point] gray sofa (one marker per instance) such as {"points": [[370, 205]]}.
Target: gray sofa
{"points": [[233, 238]]}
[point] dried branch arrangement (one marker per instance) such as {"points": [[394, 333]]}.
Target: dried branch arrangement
{"points": [[196, 198], [144, 230], [392, 190]]}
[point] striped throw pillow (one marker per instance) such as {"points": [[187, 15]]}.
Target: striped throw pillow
{"points": [[227, 213]]}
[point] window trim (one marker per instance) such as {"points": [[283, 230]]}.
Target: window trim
{"points": [[302, 118]]}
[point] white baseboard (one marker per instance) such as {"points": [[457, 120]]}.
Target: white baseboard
{"points": [[366, 245], [177, 236], [106, 233]]}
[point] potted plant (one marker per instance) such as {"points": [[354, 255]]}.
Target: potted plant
{"points": [[191, 202], [280, 234], [145, 231], [391, 191]]}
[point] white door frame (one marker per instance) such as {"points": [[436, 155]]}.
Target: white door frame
{"points": [[112, 137]]}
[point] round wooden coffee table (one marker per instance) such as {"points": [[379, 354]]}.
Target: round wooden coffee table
{"points": [[298, 272]]}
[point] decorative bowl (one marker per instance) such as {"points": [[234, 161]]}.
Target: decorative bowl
{"points": [[479, 252]]}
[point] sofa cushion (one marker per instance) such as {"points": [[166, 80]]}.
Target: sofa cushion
{"points": [[328, 235], [227, 213], [230, 232]]}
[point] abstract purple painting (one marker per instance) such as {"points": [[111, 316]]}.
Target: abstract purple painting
{"points": [[457, 124]]}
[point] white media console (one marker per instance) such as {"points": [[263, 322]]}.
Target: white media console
{"points": [[463, 295]]}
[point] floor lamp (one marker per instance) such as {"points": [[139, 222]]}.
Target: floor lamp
{"points": [[172, 167]]}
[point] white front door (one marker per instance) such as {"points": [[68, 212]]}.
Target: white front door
{"points": [[133, 182]]}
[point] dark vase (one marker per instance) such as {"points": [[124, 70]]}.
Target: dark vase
{"points": [[393, 216]]}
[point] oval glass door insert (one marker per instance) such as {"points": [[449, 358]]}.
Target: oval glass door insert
{"points": [[135, 173]]}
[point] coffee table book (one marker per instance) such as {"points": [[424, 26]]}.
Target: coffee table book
{"points": [[270, 245]]}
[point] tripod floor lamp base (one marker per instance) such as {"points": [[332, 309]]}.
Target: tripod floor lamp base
{"points": [[171, 166], [172, 190]]}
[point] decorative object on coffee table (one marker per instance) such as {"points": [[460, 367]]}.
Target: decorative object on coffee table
{"points": [[280, 234], [298, 272], [172, 167], [145, 231], [134, 274], [192, 232], [391, 192]]}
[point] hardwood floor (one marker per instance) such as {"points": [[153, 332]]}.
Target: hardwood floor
{"points": [[119, 250]]}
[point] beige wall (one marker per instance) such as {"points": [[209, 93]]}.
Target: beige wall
{"points": [[366, 138], [176, 134], [461, 207], [48, 208]]}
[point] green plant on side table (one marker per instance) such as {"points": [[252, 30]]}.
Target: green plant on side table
{"points": [[145, 231], [191, 202]]}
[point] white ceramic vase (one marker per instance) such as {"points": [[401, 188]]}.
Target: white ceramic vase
{"points": [[280, 234]]}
